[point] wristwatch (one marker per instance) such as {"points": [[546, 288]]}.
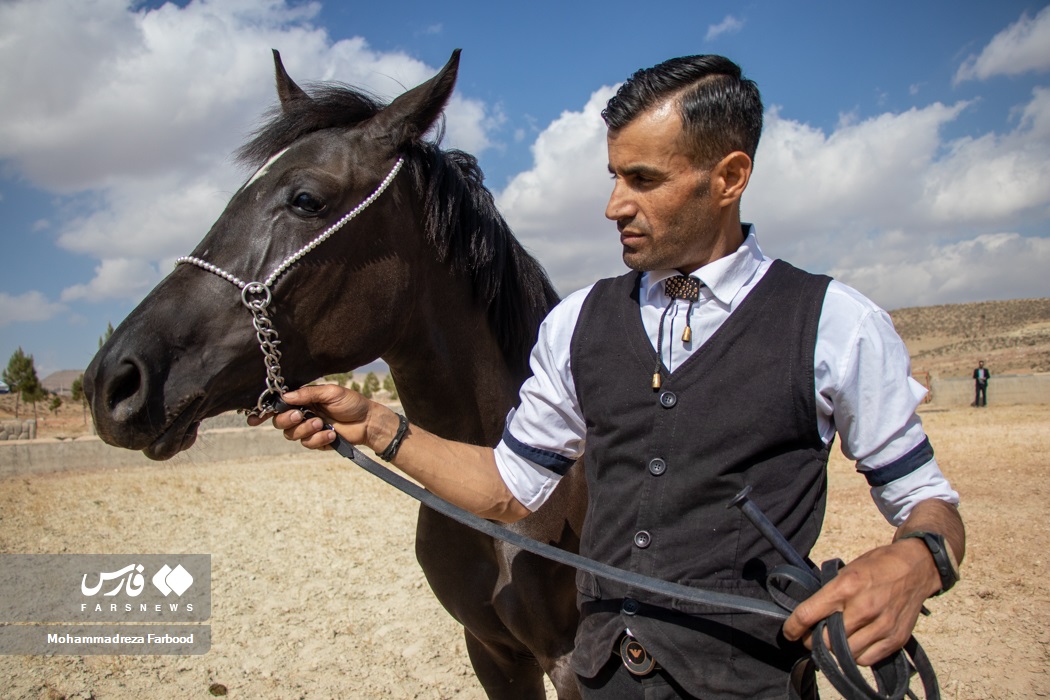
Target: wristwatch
{"points": [[943, 558]]}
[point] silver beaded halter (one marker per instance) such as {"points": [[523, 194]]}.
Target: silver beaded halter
{"points": [[256, 297]]}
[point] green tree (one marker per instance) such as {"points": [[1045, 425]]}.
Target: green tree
{"points": [[21, 377], [340, 378], [37, 393], [354, 386], [388, 385], [77, 389], [55, 403], [371, 384], [103, 338]]}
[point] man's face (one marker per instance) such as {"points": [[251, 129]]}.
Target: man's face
{"points": [[661, 200]]}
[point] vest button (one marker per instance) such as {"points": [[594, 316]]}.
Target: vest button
{"points": [[657, 466], [668, 399], [642, 539], [630, 606]]}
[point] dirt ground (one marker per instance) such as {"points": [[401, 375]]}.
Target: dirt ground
{"points": [[316, 593]]}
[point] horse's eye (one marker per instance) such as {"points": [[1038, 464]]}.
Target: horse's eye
{"points": [[307, 203]]}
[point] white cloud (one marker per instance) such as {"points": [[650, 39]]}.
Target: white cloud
{"points": [[908, 218], [139, 110], [28, 307], [884, 203], [994, 178], [116, 278], [863, 176], [896, 171], [556, 208], [901, 272], [136, 112], [162, 216], [730, 25], [1023, 46]]}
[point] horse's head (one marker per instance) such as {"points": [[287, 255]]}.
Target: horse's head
{"points": [[189, 350]]}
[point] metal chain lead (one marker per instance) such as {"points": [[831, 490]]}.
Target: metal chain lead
{"points": [[256, 297], [266, 335]]}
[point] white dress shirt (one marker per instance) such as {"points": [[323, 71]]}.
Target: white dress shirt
{"points": [[862, 376]]}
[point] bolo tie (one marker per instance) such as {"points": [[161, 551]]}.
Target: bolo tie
{"points": [[679, 287]]}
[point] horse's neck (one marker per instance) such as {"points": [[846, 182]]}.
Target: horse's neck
{"points": [[451, 376]]}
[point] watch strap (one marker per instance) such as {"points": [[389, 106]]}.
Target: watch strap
{"points": [[942, 556], [395, 444]]}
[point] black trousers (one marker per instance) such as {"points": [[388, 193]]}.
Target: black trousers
{"points": [[981, 397]]}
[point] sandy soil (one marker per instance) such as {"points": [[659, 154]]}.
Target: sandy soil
{"points": [[316, 593]]}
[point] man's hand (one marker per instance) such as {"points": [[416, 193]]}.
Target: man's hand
{"points": [[881, 592], [463, 474], [347, 409], [879, 595]]}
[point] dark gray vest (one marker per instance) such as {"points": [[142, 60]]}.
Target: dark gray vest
{"points": [[662, 465]]}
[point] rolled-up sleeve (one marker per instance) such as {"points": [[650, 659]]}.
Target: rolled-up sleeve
{"points": [[546, 434], [867, 395]]}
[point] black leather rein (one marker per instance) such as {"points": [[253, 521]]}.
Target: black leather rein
{"points": [[892, 674]]}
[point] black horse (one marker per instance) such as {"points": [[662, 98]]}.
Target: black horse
{"points": [[428, 277]]}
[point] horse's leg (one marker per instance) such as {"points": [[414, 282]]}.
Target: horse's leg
{"points": [[539, 584], [504, 673], [539, 608], [462, 569]]}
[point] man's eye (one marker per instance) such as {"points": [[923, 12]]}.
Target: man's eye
{"points": [[308, 203]]}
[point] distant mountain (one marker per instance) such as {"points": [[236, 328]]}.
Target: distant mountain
{"points": [[1012, 337]]}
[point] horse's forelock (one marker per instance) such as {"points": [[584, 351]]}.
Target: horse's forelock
{"points": [[331, 105]]}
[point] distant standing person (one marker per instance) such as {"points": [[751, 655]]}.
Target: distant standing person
{"points": [[980, 380]]}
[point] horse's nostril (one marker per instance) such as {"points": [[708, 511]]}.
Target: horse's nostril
{"points": [[124, 391]]}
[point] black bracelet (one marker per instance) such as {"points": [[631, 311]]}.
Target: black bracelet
{"points": [[395, 444]]}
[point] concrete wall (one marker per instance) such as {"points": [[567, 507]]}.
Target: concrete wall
{"points": [[217, 442], [20, 457], [1003, 389], [18, 429]]}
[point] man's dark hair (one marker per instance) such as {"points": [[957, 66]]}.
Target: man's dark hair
{"points": [[721, 110]]}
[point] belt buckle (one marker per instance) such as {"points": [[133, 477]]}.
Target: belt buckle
{"points": [[636, 658]]}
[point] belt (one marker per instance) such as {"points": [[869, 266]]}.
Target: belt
{"points": [[636, 658]]}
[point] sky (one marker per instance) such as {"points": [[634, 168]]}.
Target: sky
{"points": [[906, 148]]}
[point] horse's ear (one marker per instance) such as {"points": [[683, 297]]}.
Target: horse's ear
{"points": [[409, 116], [287, 90]]}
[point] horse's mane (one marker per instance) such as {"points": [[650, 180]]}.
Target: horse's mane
{"points": [[460, 217]]}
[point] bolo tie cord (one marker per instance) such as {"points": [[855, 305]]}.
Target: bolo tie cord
{"points": [[680, 287]]}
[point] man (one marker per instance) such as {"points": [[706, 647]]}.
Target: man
{"points": [[980, 380], [683, 390]]}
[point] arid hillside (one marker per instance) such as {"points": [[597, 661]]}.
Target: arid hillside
{"points": [[1012, 337]]}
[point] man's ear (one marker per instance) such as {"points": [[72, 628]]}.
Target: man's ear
{"points": [[729, 178]]}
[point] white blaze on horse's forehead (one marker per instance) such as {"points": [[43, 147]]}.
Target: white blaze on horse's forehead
{"points": [[263, 170]]}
